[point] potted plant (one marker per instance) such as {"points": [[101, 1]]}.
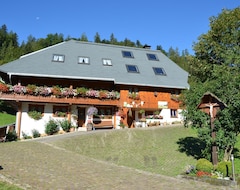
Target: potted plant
{"points": [[3, 87], [34, 114]]}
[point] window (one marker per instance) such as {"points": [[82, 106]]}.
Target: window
{"points": [[132, 69], [60, 111], [107, 62], [58, 58], [152, 57], [127, 54], [173, 113], [83, 60], [159, 71], [36, 107]]}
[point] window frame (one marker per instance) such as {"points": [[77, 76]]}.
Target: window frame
{"points": [[36, 107], [157, 73], [174, 113], [151, 59], [130, 71], [106, 61], [56, 58], [57, 108], [84, 57], [126, 56]]}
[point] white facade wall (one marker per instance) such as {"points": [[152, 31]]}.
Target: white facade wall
{"points": [[28, 124], [166, 114]]}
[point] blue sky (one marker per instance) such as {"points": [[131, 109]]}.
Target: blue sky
{"points": [[171, 23]]}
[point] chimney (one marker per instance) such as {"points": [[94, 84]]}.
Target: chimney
{"points": [[146, 46]]}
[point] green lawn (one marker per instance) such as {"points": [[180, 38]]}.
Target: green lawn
{"points": [[6, 119], [7, 186], [159, 150]]}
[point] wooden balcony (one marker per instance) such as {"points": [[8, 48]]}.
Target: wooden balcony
{"points": [[52, 99]]}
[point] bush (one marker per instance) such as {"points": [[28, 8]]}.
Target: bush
{"points": [[35, 133], [51, 127], [11, 136], [225, 168], [204, 165], [65, 124], [25, 136]]}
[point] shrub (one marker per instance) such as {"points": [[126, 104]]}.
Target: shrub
{"points": [[51, 127], [31, 88], [225, 168], [25, 136], [204, 165], [35, 133], [65, 124], [11, 136]]}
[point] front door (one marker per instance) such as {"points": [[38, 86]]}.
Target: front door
{"points": [[130, 117], [81, 116]]}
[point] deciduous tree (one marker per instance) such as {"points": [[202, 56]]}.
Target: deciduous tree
{"points": [[216, 69]]}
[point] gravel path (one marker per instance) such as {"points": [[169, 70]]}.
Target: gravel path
{"points": [[39, 165]]}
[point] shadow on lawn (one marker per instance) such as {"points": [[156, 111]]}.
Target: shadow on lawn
{"points": [[192, 146]]}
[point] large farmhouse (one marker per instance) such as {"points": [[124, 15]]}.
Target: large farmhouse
{"points": [[129, 86]]}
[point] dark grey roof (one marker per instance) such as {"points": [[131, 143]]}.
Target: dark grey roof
{"points": [[40, 63]]}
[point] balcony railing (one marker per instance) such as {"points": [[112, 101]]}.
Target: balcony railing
{"points": [[54, 99]]}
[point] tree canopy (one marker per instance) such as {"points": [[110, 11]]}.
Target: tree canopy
{"points": [[216, 69]]}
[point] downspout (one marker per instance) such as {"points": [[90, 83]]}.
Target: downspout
{"points": [[10, 78]]}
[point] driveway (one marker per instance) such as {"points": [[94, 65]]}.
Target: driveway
{"points": [[38, 164]]}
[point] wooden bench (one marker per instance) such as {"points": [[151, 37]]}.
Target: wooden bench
{"points": [[102, 123]]}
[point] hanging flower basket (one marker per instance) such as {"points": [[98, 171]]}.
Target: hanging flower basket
{"points": [[92, 111]]}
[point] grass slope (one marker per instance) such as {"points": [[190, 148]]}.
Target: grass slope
{"points": [[155, 150], [6, 119]]}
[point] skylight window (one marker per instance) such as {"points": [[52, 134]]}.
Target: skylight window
{"points": [[159, 71], [58, 58], [107, 62], [152, 56], [83, 60], [132, 69], [127, 54]]}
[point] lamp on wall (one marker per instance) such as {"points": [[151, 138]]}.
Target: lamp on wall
{"points": [[155, 93]]}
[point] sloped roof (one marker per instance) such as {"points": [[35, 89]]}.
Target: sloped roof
{"points": [[40, 64]]}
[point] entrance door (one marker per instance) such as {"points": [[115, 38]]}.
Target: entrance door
{"points": [[81, 116], [130, 117]]}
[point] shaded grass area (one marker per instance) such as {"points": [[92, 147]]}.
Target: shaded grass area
{"points": [[155, 150], [6, 119]]}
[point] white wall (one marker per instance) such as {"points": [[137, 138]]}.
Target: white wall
{"points": [[28, 124], [166, 113]]}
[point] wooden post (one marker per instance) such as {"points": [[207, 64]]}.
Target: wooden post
{"points": [[214, 146], [210, 104], [19, 118]]}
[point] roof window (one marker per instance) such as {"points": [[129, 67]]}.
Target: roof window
{"points": [[107, 62], [159, 71], [83, 60], [58, 58], [127, 54], [152, 57], [132, 69]]}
